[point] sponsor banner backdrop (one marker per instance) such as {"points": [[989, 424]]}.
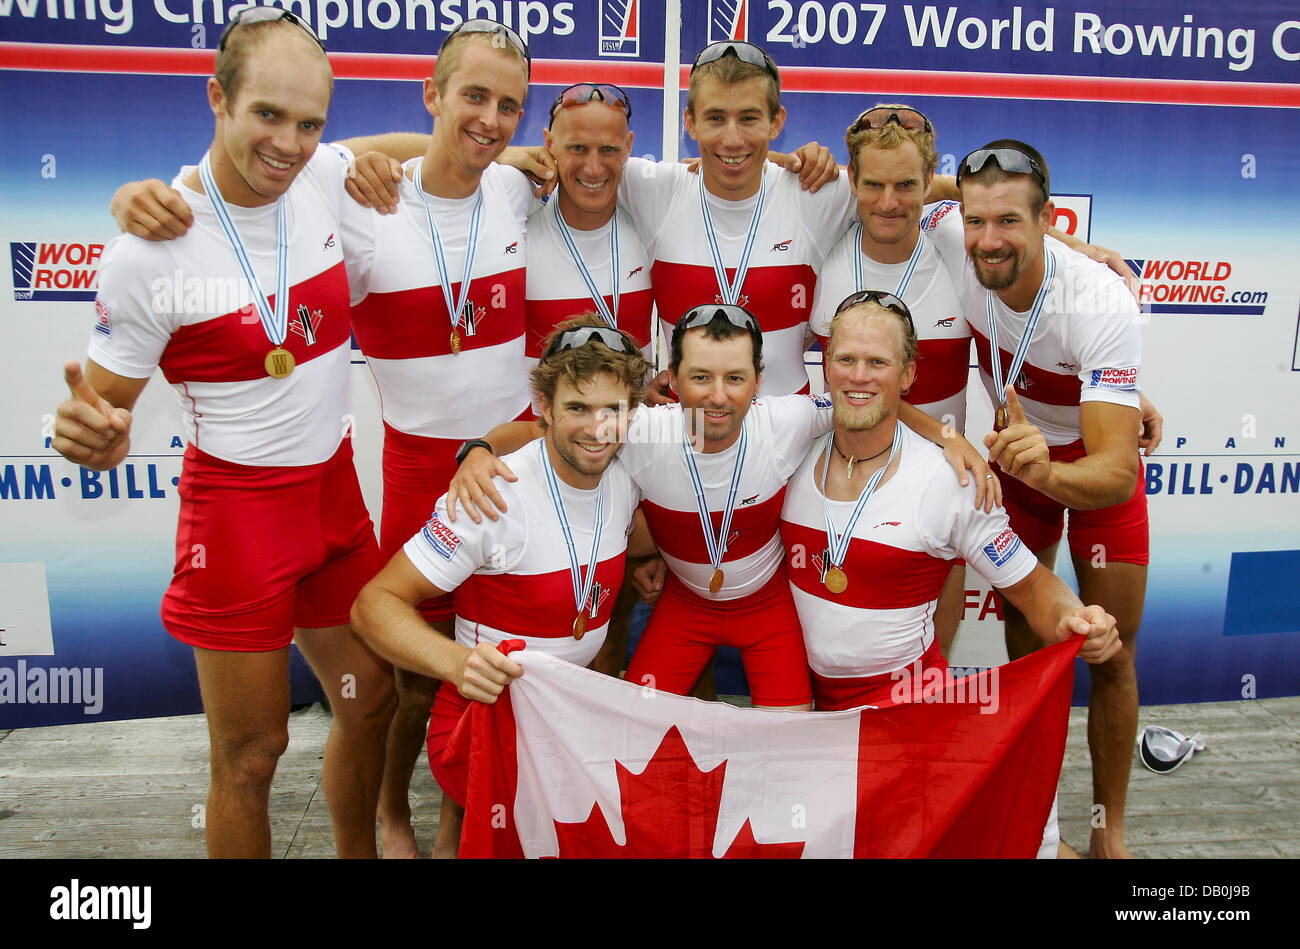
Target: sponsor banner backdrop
{"points": [[1171, 130]]}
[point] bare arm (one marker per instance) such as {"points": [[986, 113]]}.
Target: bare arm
{"points": [[93, 427], [384, 614], [402, 146], [1055, 614], [375, 176], [942, 188], [1103, 477]]}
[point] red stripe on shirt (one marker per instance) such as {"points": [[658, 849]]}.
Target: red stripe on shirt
{"points": [[409, 324], [233, 347], [634, 311], [1050, 388], [770, 293], [679, 534], [880, 577], [941, 369], [537, 604]]}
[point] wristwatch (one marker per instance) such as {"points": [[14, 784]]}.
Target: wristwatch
{"points": [[469, 446]]}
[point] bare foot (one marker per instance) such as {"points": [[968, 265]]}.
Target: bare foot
{"points": [[398, 840], [1108, 844], [1065, 852]]}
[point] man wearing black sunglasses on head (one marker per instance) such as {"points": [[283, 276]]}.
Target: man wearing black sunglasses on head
{"points": [[545, 572], [1060, 354], [873, 522], [437, 283], [583, 251]]}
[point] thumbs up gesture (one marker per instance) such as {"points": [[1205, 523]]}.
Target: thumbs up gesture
{"points": [[87, 429], [1020, 449]]}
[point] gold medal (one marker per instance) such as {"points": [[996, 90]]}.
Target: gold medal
{"points": [[455, 343], [579, 626], [278, 363], [835, 580], [715, 581], [1000, 419]]}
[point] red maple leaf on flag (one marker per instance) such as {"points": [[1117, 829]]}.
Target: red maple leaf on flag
{"points": [[670, 810]]}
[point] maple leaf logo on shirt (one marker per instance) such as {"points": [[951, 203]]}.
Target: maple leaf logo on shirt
{"points": [[306, 323], [670, 810]]}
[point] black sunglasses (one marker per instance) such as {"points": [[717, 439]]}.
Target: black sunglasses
{"points": [[745, 52], [882, 115], [703, 315], [583, 92], [1008, 159], [887, 300], [249, 15], [615, 340], [494, 28]]}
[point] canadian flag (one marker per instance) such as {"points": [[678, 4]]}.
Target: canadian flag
{"points": [[572, 763]]}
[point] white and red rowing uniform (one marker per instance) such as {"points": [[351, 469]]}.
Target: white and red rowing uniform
{"points": [[751, 610], [432, 397], [795, 233], [512, 576], [1086, 347], [925, 285], [912, 531], [186, 307], [556, 290]]}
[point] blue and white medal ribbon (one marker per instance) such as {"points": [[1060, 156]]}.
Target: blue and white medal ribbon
{"points": [[455, 307], [581, 588], [717, 545], [730, 291], [611, 318], [859, 278], [1022, 348], [275, 321], [837, 544]]}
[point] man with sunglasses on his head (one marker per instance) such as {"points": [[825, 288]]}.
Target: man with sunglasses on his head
{"points": [[891, 165], [438, 291], [874, 519], [437, 283], [742, 231], [274, 539], [583, 251], [1060, 353], [712, 471], [547, 570]]}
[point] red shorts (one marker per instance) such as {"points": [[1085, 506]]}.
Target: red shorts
{"points": [[262, 550], [1121, 529], [835, 695], [417, 471], [447, 710], [685, 629]]}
